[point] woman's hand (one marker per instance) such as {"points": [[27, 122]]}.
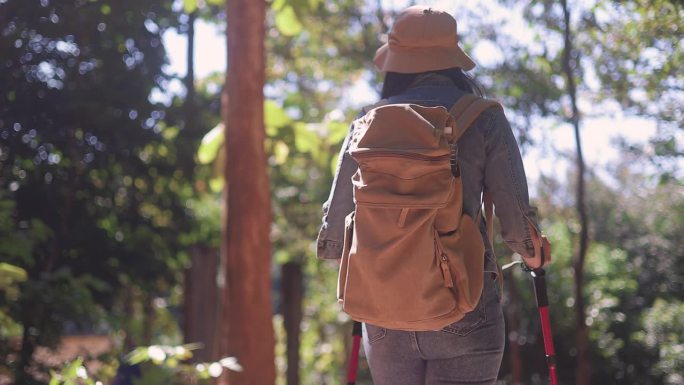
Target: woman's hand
{"points": [[542, 250]]}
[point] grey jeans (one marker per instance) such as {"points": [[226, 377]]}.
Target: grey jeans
{"points": [[468, 351]]}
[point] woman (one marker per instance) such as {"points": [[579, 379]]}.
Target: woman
{"points": [[424, 65]]}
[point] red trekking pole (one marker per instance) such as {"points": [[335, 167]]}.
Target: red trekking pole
{"points": [[539, 279], [540, 293], [354, 356]]}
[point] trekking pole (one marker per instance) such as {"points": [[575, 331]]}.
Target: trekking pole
{"points": [[540, 293], [354, 356], [539, 280]]}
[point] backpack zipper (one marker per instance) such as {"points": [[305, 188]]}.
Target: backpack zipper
{"points": [[443, 262], [446, 272]]}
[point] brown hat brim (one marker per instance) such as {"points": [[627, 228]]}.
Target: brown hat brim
{"points": [[416, 60]]}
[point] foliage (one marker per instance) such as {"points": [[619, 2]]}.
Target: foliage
{"points": [[633, 267], [95, 174], [311, 71], [156, 364], [664, 328], [73, 373], [10, 278], [638, 55]]}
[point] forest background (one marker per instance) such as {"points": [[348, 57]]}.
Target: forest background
{"points": [[113, 177]]}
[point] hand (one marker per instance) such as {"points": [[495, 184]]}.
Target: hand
{"points": [[542, 250]]}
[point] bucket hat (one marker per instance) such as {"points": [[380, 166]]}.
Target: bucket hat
{"points": [[422, 39]]}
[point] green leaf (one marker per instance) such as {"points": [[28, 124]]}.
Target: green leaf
{"points": [[277, 5], [216, 184], [333, 164], [137, 356], [281, 257], [172, 362], [306, 140], [210, 145], [274, 116], [72, 369], [54, 378], [280, 152], [13, 273], [287, 22], [337, 131], [169, 133], [189, 6], [41, 231]]}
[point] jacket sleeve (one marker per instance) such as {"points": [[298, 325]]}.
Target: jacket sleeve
{"points": [[505, 179], [340, 203]]}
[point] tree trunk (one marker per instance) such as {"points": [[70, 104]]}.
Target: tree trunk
{"points": [[293, 294], [247, 311], [570, 64], [513, 321], [149, 316], [201, 303], [129, 318], [28, 346], [190, 109]]}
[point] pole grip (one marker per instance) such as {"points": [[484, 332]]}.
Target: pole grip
{"points": [[539, 279]]}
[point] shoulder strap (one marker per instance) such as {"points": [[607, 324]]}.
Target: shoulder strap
{"points": [[489, 215], [369, 107], [461, 104], [466, 110]]}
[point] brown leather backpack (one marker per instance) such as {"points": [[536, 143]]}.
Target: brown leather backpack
{"points": [[412, 260]]}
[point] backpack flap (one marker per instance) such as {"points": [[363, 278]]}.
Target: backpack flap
{"points": [[399, 127], [402, 157]]}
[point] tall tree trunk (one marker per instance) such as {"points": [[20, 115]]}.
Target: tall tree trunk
{"points": [[200, 305], [247, 311], [129, 317], [28, 346], [293, 294], [149, 316], [570, 64], [513, 322], [190, 75]]}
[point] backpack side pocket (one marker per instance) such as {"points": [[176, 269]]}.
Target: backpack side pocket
{"points": [[344, 263], [465, 252]]}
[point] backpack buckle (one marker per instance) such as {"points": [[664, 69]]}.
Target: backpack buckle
{"points": [[449, 128]]}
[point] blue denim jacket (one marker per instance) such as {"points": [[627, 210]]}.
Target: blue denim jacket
{"points": [[488, 157]]}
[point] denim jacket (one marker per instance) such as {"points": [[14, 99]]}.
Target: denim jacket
{"points": [[489, 160]]}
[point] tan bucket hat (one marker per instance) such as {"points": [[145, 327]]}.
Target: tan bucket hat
{"points": [[422, 39]]}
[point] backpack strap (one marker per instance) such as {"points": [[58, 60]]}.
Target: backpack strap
{"points": [[461, 104], [369, 107], [466, 110], [489, 215]]}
